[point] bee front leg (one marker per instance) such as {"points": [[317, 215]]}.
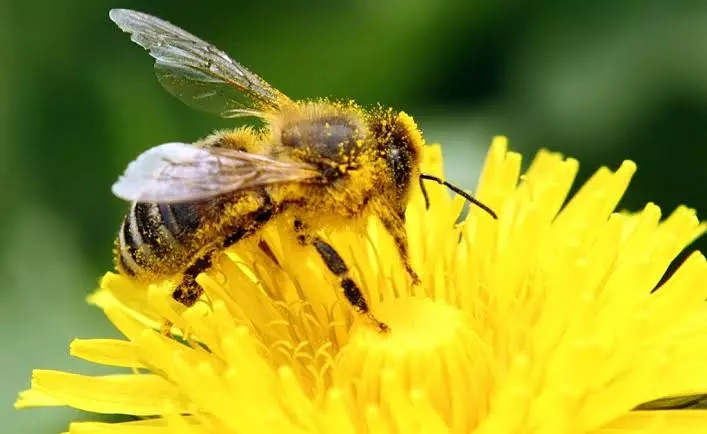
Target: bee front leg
{"points": [[395, 225], [336, 265]]}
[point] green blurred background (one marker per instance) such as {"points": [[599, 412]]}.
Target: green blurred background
{"points": [[602, 81]]}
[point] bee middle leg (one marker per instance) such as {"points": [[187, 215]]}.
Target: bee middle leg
{"points": [[336, 265]]}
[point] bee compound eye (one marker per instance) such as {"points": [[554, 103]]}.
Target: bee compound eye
{"points": [[399, 162]]}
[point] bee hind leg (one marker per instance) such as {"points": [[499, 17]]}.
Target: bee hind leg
{"points": [[188, 291], [336, 265]]}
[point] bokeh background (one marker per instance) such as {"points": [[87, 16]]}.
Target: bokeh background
{"points": [[602, 81]]}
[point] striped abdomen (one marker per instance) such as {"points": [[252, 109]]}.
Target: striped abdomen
{"points": [[157, 238]]}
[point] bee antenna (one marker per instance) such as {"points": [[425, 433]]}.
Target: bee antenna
{"points": [[454, 188]]}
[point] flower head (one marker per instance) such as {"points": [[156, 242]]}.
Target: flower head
{"points": [[545, 320]]}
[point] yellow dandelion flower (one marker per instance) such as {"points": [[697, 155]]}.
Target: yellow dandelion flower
{"points": [[543, 321]]}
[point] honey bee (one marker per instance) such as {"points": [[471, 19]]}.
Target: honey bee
{"points": [[319, 164]]}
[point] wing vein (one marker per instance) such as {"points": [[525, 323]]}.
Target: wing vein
{"points": [[196, 72]]}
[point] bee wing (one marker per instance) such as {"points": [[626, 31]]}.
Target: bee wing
{"points": [[196, 72], [177, 172]]}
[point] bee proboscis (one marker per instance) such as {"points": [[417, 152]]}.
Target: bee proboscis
{"points": [[320, 164]]}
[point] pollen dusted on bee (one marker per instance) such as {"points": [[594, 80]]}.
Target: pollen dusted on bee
{"points": [[329, 165]]}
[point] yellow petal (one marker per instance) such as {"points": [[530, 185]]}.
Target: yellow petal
{"points": [[140, 395], [111, 352]]}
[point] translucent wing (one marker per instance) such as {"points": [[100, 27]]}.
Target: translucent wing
{"points": [[177, 172], [196, 72]]}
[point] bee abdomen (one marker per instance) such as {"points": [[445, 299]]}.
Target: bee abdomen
{"points": [[156, 238], [181, 219]]}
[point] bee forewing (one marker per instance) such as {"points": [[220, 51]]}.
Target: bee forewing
{"points": [[196, 72], [178, 172]]}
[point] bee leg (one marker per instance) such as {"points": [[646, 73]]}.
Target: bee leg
{"points": [[395, 225], [265, 248], [166, 329], [352, 292], [188, 291], [336, 265]]}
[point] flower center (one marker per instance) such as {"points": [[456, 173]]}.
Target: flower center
{"points": [[417, 325], [432, 352]]}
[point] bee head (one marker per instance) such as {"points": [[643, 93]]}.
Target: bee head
{"points": [[400, 142]]}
